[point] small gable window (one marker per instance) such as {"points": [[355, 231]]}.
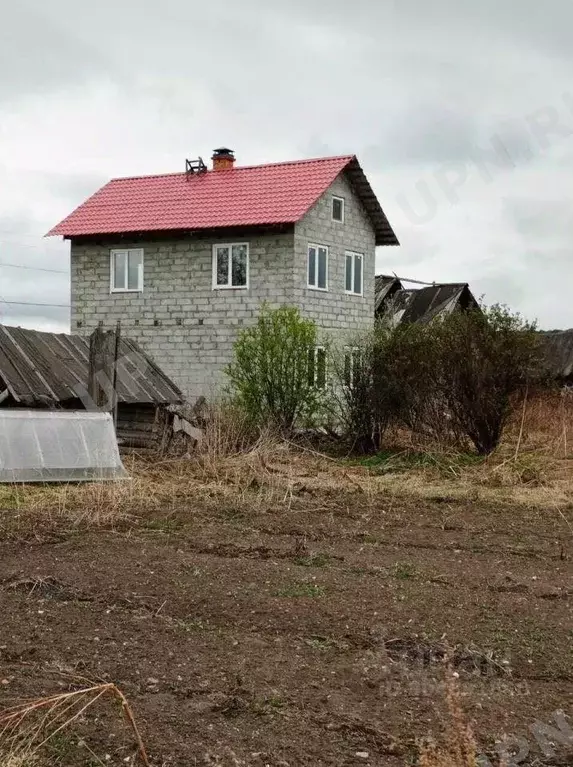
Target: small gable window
{"points": [[338, 209], [231, 265], [126, 269]]}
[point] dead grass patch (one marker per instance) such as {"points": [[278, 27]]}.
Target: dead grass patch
{"points": [[458, 747], [236, 476], [29, 729]]}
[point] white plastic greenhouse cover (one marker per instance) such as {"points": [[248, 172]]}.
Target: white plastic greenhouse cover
{"points": [[58, 446]]}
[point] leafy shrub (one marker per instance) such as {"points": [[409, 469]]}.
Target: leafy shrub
{"points": [[484, 358], [451, 379], [270, 377]]}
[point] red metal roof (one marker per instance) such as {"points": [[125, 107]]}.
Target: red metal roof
{"points": [[279, 193], [244, 196]]}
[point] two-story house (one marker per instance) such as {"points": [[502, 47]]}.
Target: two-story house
{"points": [[184, 260]]}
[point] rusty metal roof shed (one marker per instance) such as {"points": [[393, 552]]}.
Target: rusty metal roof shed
{"points": [[557, 350], [397, 304], [39, 369]]}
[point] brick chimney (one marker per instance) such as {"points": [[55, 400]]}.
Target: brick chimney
{"points": [[223, 159]]}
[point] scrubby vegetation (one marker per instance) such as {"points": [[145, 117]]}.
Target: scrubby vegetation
{"points": [[270, 377], [325, 578], [453, 379]]}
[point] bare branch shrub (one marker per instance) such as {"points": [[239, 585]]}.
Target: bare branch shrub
{"points": [[452, 379], [484, 359], [390, 381]]}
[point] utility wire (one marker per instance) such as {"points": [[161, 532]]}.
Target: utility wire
{"points": [[15, 244], [34, 268], [32, 303]]}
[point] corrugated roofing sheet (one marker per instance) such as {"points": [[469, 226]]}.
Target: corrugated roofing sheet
{"points": [[49, 368], [397, 304], [384, 287], [258, 195], [557, 349]]}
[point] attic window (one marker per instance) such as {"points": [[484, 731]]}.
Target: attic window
{"points": [[338, 209]]}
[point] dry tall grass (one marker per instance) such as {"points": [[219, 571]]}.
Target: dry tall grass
{"points": [[532, 466], [543, 421], [458, 747], [27, 729]]}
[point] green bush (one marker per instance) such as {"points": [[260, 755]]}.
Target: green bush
{"points": [[384, 378], [484, 358], [452, 379], [271, 377]]}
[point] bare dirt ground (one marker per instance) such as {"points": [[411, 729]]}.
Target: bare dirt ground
{"points": [[306, 626]]}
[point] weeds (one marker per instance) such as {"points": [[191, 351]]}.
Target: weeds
{"points": [[404, 571], [301, 590], [31, 729], [236, 477], [312, 560], [459, 747]]}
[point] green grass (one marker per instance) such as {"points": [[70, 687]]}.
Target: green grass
{"points": [[168, 525], [324, 643], [192, 625], [404, 571], [395, 461], [313, 560], [296, 590], [64, 748], [10, 497]]}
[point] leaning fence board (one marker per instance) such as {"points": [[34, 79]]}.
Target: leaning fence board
{"points": [[58, 446]]}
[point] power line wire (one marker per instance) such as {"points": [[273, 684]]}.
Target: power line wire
{"points": [[15, 244], [34, 268], [12, 233], [32, 303]]}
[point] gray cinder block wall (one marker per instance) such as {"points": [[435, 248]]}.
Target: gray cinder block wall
{"points": [[334, 310], [189, 328]]}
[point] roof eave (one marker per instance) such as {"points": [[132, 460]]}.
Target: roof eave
{"points": [[384, 233], [201, 232]]}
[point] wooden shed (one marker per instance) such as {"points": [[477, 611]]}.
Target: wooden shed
{"points": [[50, 370]]}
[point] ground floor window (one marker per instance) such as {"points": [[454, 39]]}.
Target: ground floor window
{"points": [[351, 366], [317, 367]]}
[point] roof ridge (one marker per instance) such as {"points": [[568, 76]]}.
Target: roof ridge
{"points": [[348, 157]]}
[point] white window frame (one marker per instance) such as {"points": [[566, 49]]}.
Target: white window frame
{"points": [[341, 199], [229, 245], [354, 256], [316, 247], [314, 351], [112, 254], [349, 354]]}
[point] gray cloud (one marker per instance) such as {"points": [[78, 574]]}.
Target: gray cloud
{"points": [[38, 55], [422, 92]]}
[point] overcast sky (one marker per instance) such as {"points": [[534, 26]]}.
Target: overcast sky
{"points": [[461, 113]]}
